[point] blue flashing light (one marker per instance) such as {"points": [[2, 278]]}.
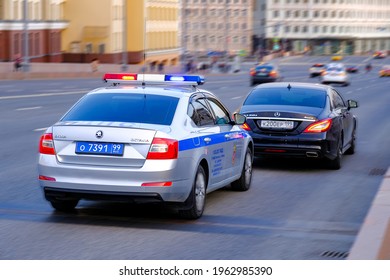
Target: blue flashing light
{"points": [[185, 79]]}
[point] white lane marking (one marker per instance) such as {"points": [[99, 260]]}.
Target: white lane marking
{"points": [[40, 129], [28, 108], [237, 97], [41, 95]]}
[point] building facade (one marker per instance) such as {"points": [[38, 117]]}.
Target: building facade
{"points": [[40, 21], [216, 26], [323, 26], [122, 31]]}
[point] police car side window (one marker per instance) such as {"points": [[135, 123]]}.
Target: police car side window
{"points": [[221, 115], [199, 113]]}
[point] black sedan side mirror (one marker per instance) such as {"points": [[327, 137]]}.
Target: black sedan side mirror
{"points": [[352, 104], [239, 119]]}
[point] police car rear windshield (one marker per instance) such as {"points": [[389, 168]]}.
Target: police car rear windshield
{"points": [[133, 108], [285, 96]]}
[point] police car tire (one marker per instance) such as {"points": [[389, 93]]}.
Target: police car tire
{"points": [[64, 205], [197, 197], [244, 182]]}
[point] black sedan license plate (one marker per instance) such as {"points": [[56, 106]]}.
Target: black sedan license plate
{"points": [[277, 124], [113, 149]]}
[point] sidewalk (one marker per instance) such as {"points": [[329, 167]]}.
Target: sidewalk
{"points": [[67, 70]]}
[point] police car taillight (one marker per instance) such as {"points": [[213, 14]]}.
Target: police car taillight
{"points": [[163, 148], [46, 144], [154, 78]]}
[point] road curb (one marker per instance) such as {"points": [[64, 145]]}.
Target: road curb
{"points": [[373, 239]]}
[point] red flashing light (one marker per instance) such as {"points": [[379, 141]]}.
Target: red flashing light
{"points": [[120, 76], [320, 126], [163, 148], [46, 144]]}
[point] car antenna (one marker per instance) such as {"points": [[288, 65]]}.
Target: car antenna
{"points": [[145, 35]]}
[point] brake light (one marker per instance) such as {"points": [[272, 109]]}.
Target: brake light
{"points": [[46, 144], [246, 127], [273, 74], [252, 72], [320, 126], [163, 148]]}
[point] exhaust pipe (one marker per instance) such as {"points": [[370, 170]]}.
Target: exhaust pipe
{"points": [[312, 154]]}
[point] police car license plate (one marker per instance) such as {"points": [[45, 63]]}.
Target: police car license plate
{"points": [[277, 124], [113, 149]]}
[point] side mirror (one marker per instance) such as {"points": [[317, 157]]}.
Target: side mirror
{"points": [[352, 104], [239, 119]]}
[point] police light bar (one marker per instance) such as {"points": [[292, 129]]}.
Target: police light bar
{"points": [[154, 78]]}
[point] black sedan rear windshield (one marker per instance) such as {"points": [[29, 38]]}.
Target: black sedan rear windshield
{"points": [[285, 96], [117, 107]]}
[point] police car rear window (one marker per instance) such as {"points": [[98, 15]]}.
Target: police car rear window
{"points": [[112, 107], [284, 96]]}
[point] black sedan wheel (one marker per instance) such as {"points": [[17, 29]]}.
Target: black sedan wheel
{"points": [[335, 164], [244, 182]]}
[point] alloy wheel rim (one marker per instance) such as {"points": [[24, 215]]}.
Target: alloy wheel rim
{"points": [[200, 192]]}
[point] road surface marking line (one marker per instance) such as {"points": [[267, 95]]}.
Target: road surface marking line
{"points": [[28, 108]]}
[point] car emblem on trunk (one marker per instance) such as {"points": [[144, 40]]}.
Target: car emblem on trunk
{"points": [[277, 114], [99, 134]]}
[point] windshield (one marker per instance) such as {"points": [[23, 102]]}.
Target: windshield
{"points": [[284, 96], [119, 107]]}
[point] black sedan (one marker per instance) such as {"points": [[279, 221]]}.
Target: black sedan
{"points": [[300, 120], [264, 73]]}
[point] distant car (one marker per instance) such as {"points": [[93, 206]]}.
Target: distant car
{"points": [[159, 139], [385, 71], [336, 57], [264, 73], [379, 54], [300, 120], [352, 69], [317, 69], [335, 73]]}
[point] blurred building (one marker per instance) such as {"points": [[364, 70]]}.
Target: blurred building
{"points": [[121, 31], [41, 21], [322, 26], [216, 26]]}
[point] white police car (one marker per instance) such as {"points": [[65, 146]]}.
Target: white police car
{"points": [[147, 138]]}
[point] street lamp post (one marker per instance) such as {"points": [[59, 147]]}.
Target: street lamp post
{"points": [[26, 64]]}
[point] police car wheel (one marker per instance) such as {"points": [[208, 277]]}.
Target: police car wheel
{"points": [[64, 205], [243, 183], [197, 197]]}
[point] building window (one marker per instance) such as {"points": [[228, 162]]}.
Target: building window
{"points": [[102, 48], [276, 14], [88, 48]]}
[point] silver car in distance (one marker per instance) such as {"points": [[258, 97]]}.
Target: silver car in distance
{"points": [[146, 138]]}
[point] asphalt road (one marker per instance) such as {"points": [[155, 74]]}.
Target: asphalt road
{"points": [[294, 210]]}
